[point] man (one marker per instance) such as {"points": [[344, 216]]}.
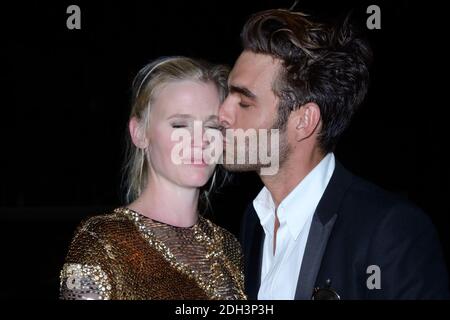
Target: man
{"points": [[315, 231]]}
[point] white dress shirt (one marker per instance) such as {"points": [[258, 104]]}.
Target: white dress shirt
{"points": [[279, 274]]}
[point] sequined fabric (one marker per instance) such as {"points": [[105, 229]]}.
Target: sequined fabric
{"points": [[125, 255]]}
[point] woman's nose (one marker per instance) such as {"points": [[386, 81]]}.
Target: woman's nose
{"points": [[200, 139]]}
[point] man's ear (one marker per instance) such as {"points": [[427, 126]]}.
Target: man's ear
{"points": [[137, 133], [306, 120]]}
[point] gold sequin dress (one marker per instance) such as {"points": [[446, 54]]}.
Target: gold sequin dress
{"points": [[125, 255]]}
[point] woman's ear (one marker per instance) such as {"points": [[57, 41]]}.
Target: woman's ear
{"points": [[137, 133], [306, 120]]}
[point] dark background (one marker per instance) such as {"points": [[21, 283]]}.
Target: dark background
{"points": [[65, 104]]}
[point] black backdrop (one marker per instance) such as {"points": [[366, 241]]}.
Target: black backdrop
{"points": [[65, 104]]}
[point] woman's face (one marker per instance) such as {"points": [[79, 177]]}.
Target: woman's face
{"points": [[181, 106]]}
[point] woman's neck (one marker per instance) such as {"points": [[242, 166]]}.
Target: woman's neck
{"points": [[166, 202]]}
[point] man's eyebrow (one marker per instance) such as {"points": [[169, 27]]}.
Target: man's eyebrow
{"points": [[242, 90]]}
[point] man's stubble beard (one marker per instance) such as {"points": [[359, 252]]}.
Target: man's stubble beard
{"points": [[284, 152]]}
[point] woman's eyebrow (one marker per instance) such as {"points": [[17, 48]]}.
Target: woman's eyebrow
{"points": [[212, 117], [189, 117], [180, 115]]}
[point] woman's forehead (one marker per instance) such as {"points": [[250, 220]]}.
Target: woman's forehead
{"points": [[188, 98]]}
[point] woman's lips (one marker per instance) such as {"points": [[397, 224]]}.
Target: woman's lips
{"points": [[197, 162], [199, 165]]}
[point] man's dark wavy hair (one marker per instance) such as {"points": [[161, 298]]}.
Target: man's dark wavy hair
{"points": [[322, 63]]}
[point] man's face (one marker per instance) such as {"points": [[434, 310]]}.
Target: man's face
{"points": [[251, 103]]}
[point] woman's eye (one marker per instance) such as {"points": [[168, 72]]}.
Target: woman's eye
{"points": [[215, 127], [177, 126]]}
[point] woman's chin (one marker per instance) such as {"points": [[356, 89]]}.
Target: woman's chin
{"points": [[197, 176]]}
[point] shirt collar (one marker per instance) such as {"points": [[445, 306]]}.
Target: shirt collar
{"points": [[300, 204]]}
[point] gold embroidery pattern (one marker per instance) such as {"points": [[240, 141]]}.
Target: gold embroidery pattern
{"points": [[85, 281], [214, 244]]}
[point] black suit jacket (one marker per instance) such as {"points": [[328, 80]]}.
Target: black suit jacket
{"points": [[356, 225]]}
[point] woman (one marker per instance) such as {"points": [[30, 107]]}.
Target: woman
{"points": [[158, 247]]}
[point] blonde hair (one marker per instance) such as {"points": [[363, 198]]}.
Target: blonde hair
{"points": [[144, 88]]}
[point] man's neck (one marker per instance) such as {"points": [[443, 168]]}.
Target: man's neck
{"points": [[289, 175]]}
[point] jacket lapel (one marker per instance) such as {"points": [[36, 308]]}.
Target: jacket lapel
{"points": [[321, 226], [253, 272], [315, 247]]}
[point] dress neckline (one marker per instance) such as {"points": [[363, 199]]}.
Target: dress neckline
{"points": [[160, 223]]}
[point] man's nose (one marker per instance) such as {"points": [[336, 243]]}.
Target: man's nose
{"points": [[226, 114]]}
